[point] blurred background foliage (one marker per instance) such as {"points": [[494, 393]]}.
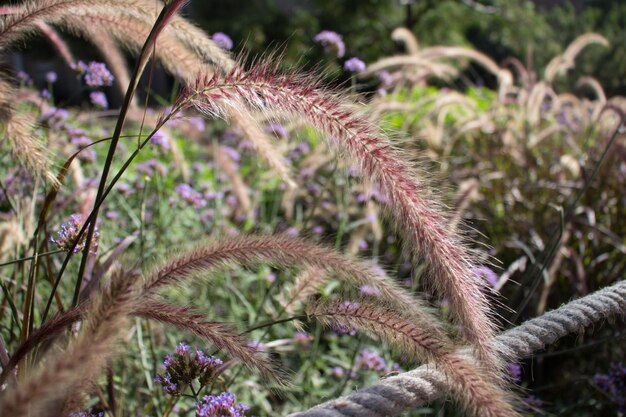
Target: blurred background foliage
{"points": [[534, 31]]}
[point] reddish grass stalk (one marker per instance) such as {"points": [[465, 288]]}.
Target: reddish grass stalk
{"points": [[82, 360], [476, 390], [221, 336], [285, 251], [417, 216]]}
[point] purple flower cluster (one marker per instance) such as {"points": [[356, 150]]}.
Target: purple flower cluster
{"points": [[486, 274], [161, 140], [181, 369], [515, 369], [372, 361], [614, 384], [96, 74], [68, 233], [55, 118], [332, 42], [277, 129], [222, 405], [190, 195], [99, 99], [86, 413], [222, 40], [354, 64], [369, 290], [151, 166], [51, 77]]}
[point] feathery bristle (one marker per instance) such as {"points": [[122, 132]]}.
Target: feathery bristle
{"points": [[221, 336], [417, 216], [84, 357], [286, 251], [476, 391]]}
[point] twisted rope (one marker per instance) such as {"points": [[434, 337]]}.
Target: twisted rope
{"points": [[422, 385]]}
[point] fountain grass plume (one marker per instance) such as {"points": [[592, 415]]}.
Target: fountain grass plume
{"points": [[560, 64], [223, 337], [284, 251], [474, 388], [85, 356], [18, 130], [417, 216], [220, 335]]}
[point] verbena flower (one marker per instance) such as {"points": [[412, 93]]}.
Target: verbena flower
{"points": [[24, 77], [96, 74], [487, 274], [385, 78], [150, 166], [354, 64], [369, 290], [222, 405], [182, 369], [372, 361], [86, 413], [68, 233], [332, 42], [162, 140], [515, 369], [222, 40], [614, 384], [99, 99], [191, 196], [51, 77], [277, 129]]}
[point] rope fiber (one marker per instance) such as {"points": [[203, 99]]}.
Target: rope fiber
{"points": [[397, 394]]}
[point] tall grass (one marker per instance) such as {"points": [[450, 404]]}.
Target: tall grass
{"points": [[72, 324]]}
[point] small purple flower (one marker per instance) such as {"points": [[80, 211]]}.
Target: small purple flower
{"points": [[354, 64], [369, 290], [112, 214], [45, 94], [257, 345], [222, 405], [332, 42], [181, 369], [99, 99], [270, 278], [292, 232], [96, 74], [222, 40], [277, 129], [51, 77], [613, 384], [385, 79], [317, 229], [86, 413], [486, 274], [150, 166], [68, 233], [515, 369], [372, 361], [24, 77], [197, 123], [302, 338], [162, 140], [191, 196]]}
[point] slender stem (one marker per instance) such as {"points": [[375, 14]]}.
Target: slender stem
{"points": [[146, 52], [15, 261]]}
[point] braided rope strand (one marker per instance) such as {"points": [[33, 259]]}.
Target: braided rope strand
{"points": [[424, 384]]}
